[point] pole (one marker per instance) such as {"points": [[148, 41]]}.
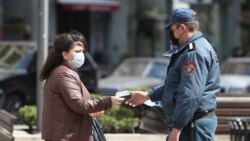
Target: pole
{"points": [[138, 31], [43, 12], [169, 5]]}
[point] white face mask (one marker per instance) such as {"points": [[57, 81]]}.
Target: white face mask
{"points": [[78, 60]]}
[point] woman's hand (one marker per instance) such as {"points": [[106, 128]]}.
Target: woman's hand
{"points": [[117, 100], [96, 114]]}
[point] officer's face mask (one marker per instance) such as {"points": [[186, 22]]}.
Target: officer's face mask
{"points": [[174, 41], [78, 60]]}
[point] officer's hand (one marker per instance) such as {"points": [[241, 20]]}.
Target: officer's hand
{"points": [[137, 98]]}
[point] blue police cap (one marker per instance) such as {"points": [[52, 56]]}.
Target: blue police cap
{"points": [[181, 15]]}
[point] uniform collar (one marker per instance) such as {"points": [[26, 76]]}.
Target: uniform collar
{"points": [[190, 40]]}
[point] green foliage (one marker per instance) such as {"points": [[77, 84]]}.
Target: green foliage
{"points": [[140, 89], [125, 55], [94, 95], [121, 112], [28, 114], [119, 119]]}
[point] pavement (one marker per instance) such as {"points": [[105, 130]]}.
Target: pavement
{"points": [[21, 135]]}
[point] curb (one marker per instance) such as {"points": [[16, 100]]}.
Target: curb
{"points": [[21, 135]]}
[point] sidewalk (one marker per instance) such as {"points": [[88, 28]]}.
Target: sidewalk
{"points": [[21, 135]]}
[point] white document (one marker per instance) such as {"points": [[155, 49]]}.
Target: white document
{"points": [[124, 94]]}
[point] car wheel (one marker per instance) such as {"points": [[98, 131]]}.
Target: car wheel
{"points": [[13, 103]]}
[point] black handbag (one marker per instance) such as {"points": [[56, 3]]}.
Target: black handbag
{"points": [[97, 131]]}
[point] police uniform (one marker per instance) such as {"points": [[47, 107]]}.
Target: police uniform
{"points": [[191, 87]]}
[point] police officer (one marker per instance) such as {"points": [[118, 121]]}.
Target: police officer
{"points": [[192, 84]]}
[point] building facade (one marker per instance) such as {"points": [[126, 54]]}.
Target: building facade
{"points": [[116, 29], [103, 23]]}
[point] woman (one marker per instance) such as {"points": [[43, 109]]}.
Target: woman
{"points": [[68, 110]]}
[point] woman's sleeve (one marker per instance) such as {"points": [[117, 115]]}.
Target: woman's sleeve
{"points": [[70, 90]]}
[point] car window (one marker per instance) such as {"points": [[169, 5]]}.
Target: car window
{"points": [[247, 70], [240, 69], [130, 68], [24, 62], [158, 70], [10, 55], [235, 68]]}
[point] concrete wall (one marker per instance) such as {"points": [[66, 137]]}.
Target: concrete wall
{"points": [[26, 9], [118, 33], [221, 25]]}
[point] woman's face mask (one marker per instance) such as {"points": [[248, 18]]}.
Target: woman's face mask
{"points": [[78, 60]]}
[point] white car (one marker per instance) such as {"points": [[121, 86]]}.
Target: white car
{"points": [[235, 76], [135, 73]]}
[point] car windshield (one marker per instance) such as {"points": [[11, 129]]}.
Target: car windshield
{"points": [[142, 68], [158, 70], [235, 68], [11, 55], [130, 68], [24, 62]]}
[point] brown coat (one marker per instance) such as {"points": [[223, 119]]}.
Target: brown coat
{"points": [[66, 107]]}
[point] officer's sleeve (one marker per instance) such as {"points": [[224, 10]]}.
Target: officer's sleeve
{"points": [[193, 79], [156, 93]]}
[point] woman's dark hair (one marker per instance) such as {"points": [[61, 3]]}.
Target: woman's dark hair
{"points": [[63, 42]]}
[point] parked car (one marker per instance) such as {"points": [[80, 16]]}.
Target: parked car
{"points": [[135, 73], [235, 76], [18, 78]]}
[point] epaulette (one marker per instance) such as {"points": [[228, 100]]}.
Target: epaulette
{"points": [[191, 46]]}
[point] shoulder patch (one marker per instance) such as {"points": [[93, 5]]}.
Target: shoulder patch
{"points": [[189, 68], [191, 46]]}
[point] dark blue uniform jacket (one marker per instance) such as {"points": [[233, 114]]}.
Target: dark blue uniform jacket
{"points": [[192, 82]]}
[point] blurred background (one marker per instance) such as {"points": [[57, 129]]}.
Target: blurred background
{"points": [[117, 30], [121, 28]]}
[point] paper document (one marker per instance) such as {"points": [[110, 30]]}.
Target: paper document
{"points": [[124, 94], [149, 103]]}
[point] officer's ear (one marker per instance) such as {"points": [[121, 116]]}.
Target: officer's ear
{"points": [[183, 26]]}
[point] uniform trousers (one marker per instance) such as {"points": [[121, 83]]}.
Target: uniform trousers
{"points": [[202, 129]]}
